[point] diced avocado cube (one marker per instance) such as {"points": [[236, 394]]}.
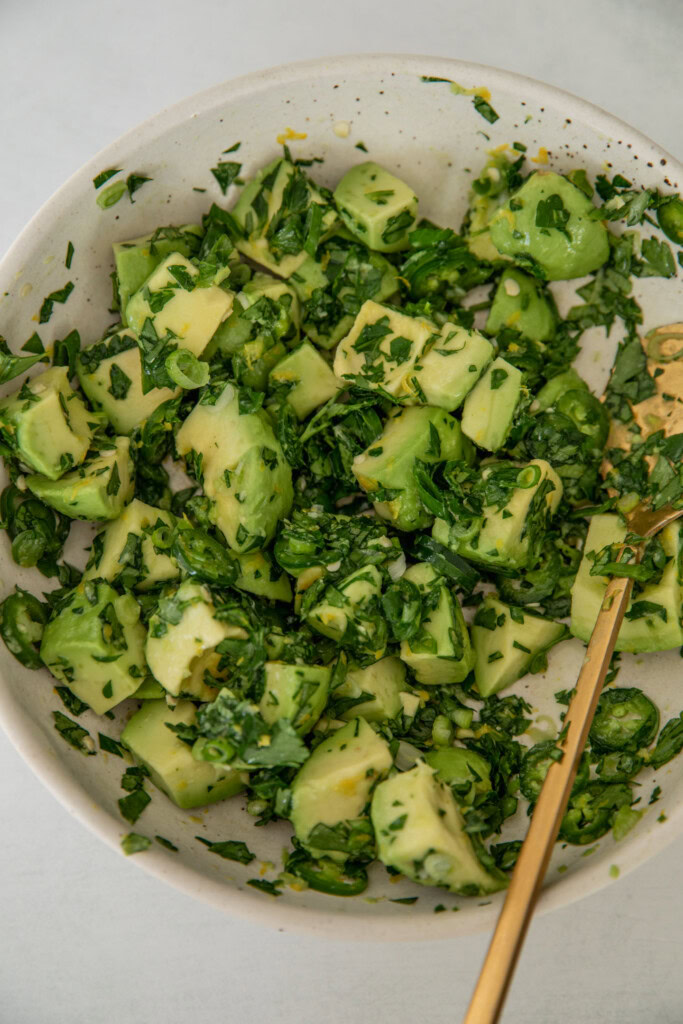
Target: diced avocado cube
{"points": [[308, 278], [97, 490], [265, 316], [450, 368], [305, 378], [110, 373], [508, 643], [349, 612], [188, 783], [509, 536], [332, 296], [265, 286], [96, 645], [548, 224], [441, 651], [149, 689], [659, 627], [381, 684], [182, 640], [270, 209], [385, 469], [125, 550], [381, 349], [490, 407], [259, 575], [46, 423], [376, 206], [245, 473], [410, 703], [520, 304], [296, 692], [173, 301], [489, 192], [138, 257], [465, 770], [335, 783], [421, 833]]}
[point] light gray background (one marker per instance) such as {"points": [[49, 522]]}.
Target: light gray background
{"points": [[84, 936]]}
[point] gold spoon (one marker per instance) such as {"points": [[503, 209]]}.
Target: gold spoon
{"points": [[527, 879]]}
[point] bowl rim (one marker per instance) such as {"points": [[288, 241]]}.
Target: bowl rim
{"points": [[18, 725]]}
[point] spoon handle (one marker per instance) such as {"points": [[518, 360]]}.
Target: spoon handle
{"points": [[525, 885]]}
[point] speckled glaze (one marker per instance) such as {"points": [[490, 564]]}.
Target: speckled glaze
{"points": [[434, 139]]}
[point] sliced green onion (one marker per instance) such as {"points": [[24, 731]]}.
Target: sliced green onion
{"points": [[654, 347], [528, 477], [110, 195], [162, 537], [186, 370]]}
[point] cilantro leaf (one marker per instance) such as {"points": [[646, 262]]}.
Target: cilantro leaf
{"points": [[229, 849], [75, 735], [13, 366], [60, 295], [103, 176], [226, 173]]}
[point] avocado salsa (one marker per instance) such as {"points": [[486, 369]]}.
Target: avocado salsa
{"points": [[349, 487]]}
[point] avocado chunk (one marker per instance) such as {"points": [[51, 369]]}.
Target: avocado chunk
{"points": [[305, 378], [556, 387], [259, 575], [245, 473], [381, 349], [548, 224], [450, 368], [149, 689], [266, 286], [420, 832], [508, 643], [172, 768], [138, 257], [98, 490], [490, 407], [334, 786], [331, 297], [509, 535], [95, 644], [110, 373], [659, 627], [177, 305], [182, 640], [465, 771], [441, 651], [385, 469], [46, 424], [349, 612], [125, 552], [272, 209], [296, 692], [376, 206], [380, 684], [265, 318], [521, 305], [489, 192]]}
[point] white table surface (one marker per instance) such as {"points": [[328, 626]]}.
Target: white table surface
{"points": [[86, 938]]}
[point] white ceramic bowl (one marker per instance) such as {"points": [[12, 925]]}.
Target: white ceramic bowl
{"points": [[434, 139]]}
